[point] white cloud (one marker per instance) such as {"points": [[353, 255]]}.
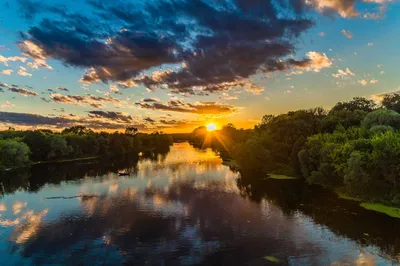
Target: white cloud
{"points": [[373, 81], [252, 88], [370, 44], [5, 60], [227, 96], [7, 104], [322, 34], [343, 74], [22, 72], [114, 88], [382, 72], [347, 34], [7, 72], [363, 82], [317, 61]]}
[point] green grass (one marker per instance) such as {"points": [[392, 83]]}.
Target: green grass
{"points": [[391, 211], [68, 160], [280, 177], [341, 194], [272, 259]]}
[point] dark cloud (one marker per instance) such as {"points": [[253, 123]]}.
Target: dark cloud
{"points": [[114, 116], [201, 108], [148, 119], [62, 89], [219, 43], [23, 91], [91, 100], [33, 120], [30, 8], [45, 100]]}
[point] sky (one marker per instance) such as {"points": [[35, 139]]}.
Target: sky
{"points": [[174, 65]]}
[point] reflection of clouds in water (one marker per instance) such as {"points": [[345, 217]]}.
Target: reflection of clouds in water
{"points": [[26, 225], [184, 225], [18, 206], [363, 259], [29, 228]]}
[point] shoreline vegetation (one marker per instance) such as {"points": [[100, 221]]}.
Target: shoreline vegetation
{"points": [[25, 148], [352, 149]]}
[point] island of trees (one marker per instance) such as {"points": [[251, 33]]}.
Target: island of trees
{"points": [[353, 148], [22, 148]]}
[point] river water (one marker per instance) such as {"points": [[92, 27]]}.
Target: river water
{"points": [[182, 208]]}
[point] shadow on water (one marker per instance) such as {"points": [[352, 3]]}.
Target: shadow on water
{"points": [[199, 212], [343, 217]]}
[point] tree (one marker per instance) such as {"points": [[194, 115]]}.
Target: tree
{"points": [[382, 117], [392, 102], [386, 154], [358, 103], [77, 130], [131, 131], [13, 154]]}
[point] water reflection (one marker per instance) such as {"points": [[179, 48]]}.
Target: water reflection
{"points": [[183, 208]]}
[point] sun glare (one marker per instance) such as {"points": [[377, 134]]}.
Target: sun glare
{"points": [[211, 127]]}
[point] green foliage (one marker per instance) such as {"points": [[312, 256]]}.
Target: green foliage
{"points": [[77, 142], [382, 117], [392, 102], [13, 153]]}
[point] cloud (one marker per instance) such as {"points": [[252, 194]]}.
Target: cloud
{"points": [[6, 104], [59, 122], [363, 82], [91, 100], [379, 97], [370, 44], [373, 81], [62, 89], [200, 108], [5, 60], [343, 74], [226, 96], [148, 119], [115, 89], [315, 62], [322, 34], [114, 116], [22, 72], [7, 72], [347, 34], [212, 50], [252, 88], [23, 91], [345, 8]]}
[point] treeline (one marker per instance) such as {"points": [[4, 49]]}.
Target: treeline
{"points": [[21, 148], [355, 146]]}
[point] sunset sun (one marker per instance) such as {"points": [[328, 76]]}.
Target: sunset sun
{"points": [[211, 127]]}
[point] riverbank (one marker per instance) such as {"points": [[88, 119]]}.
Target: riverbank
{"points": [[68, 160], [391, 211]]}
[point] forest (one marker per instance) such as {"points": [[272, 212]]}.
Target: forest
{"points": [[353, 148], [22, 148]]}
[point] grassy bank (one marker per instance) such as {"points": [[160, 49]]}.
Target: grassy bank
{"points": [[68, 160], [391, 211], [280, 177]]}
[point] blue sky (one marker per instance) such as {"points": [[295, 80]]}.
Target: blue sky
{"points": [[164, 65]]}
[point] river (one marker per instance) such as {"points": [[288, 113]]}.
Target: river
{"points": [[182, 208]]}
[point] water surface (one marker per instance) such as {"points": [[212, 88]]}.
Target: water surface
{"points": [[182, 208]]}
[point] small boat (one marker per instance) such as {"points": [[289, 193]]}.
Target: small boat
{"points": [[123, 173]]}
